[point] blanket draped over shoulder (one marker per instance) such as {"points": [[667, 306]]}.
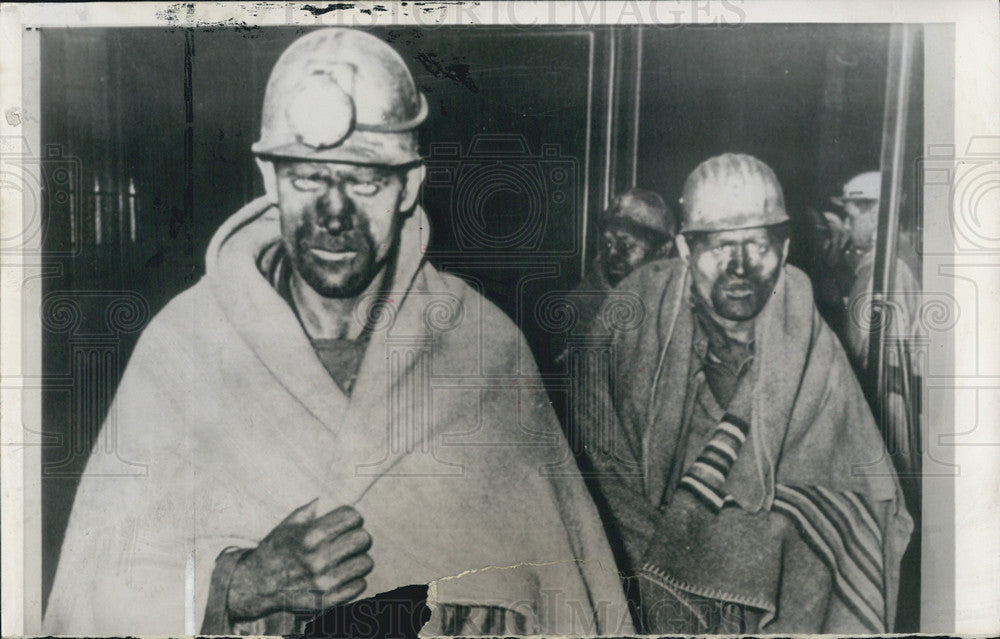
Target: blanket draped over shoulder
{"points": [[789, 519], [225, 421]]}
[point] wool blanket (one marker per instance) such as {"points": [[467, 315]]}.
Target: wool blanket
{"points": [[225, 421], [582, 304], [902, 368], [903, 300], [789, 518]]}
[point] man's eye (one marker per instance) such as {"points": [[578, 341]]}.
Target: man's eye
{"points": [[311, 183], [365, 189]]}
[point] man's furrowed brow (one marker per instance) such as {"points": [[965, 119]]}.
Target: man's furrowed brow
{"points": [[724, 241], [363, 173], [304, 168]]}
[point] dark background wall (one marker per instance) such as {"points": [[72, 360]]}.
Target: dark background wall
{"points": [[807, 100], [530, 133]]}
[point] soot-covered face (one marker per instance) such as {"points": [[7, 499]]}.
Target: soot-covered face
{"points": [[862, 223], [736, 271], [339, 222], [625, 248]]}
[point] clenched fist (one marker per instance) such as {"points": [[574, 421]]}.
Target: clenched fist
{"points": [[306, 564]]}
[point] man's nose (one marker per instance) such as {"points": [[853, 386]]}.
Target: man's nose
{"points": [[738, 261], [336, 211]]}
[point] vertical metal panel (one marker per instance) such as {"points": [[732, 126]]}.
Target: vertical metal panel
{"points": [[897, 91]]}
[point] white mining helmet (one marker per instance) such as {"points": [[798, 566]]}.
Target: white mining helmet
{"points": [[864, 186], [730, 192], [341, 95]]}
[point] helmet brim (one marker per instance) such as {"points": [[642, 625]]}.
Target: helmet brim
{"points": [[844, 199], [361, 148]]}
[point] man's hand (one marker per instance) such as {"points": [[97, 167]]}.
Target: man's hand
{"points": [[836, 239], [304, 565]]}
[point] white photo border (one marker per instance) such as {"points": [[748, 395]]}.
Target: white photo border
{"points": [[961, 514]]}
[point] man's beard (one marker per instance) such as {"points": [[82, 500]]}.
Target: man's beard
{"points": [[616, 270], [348, 278], [742, 298]]}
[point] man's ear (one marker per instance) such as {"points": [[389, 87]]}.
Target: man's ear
{"points": [[683, 250], [784, 250], [270, 179], [411, 189]]}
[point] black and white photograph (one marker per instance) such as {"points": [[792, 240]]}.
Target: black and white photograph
{"points": [[473, 319]]}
